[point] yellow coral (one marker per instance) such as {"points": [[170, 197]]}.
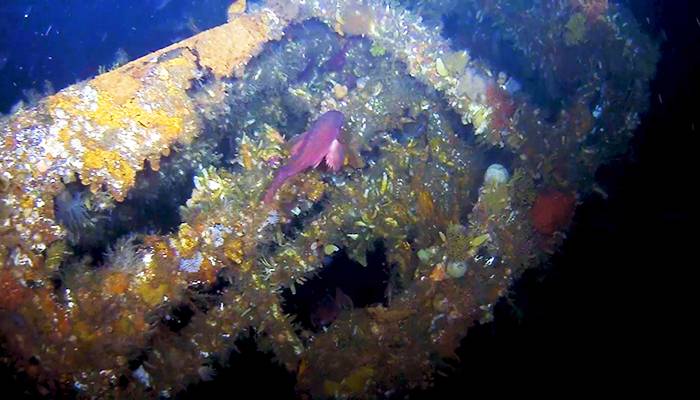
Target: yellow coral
{"points": [[224, 56], [84, 331], [575, 30], [313, 187], [129, 324], [426, 207], [246, 155], [121, 87], [110, 161], [234, 250], [356, 381], [152, 295], [116, 283], [235, 9], [112, 115], [55, 255], [161, 249], [186, 241]]}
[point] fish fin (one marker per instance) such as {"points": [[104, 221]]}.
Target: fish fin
{"points": [[342, 300], [297, 144], [270, 195], [335, 156]]}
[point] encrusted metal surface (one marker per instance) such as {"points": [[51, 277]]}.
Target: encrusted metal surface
{"points": [[455, 234]]}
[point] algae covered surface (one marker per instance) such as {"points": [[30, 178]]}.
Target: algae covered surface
{"points": [[137, 250]]}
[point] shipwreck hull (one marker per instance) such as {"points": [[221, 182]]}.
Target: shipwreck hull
{"points": [[424, 123]]}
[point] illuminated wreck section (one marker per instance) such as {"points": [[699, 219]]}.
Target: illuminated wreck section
{"points": [[454, 172]]}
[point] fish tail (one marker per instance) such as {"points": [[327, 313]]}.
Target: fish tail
{"points": [[274, 186]]}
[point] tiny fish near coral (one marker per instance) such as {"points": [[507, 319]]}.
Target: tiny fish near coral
{"points": [[328, 309], [311, 148]]}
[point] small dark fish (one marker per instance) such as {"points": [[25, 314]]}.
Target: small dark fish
{"points": [[412, 130], [337, 60], [329, 308]]}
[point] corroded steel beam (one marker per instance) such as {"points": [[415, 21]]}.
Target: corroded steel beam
{"points": [[105, 128]]}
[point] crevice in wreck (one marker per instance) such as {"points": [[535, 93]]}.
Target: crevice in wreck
{"points": [[342, 284], [462, 250], [178, 317], [151, 207], [478, 36], [244, 367]]}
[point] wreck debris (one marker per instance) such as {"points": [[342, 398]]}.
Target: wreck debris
{"points": [[455, 231]]}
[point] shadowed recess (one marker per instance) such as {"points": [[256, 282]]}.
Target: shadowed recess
{"points": [[340, 285]]}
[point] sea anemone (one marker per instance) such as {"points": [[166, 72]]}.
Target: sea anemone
{"points": [[125, 254], [72, 213]]}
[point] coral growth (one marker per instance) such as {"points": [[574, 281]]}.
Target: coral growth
{"points": [[125, 255], [594, 9], [423, 121], [576, 28], [552, 211], [503, 106]]}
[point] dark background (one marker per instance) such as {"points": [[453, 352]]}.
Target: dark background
{"points": [[607, 314], [85, 34]]}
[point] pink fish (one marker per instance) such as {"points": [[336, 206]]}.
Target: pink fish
{"points": [[313, 146]]}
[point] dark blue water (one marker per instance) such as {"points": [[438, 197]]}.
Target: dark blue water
{"points": [[66, 41]]}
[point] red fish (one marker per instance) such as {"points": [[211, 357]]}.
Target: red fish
{"points": [[313, 146], [329, 308]]}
